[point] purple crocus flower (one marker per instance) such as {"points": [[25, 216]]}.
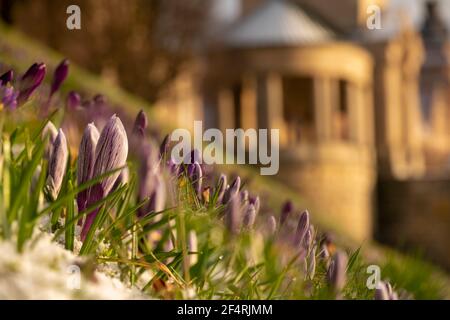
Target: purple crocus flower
{"points": [[32, 79], [111, 153], [287, 209], [311, 263], [151, 185], [384, 291], [61, 72], [255, 202], [73, 100], [57, 165], [232, 190], [197, 178], [249, 216], [302, 228], [233, 214], [157, 199], [140, 124], [221, 187], [272, 225], [49, 132], [336, 272], [86, 160], [6, 78], [164, 145], [8, 97]]}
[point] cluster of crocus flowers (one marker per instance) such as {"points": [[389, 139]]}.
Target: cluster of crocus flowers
{"points": [[100, 155], [15, 93]]}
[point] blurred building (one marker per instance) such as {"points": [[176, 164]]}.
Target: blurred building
{"points": [[363, 113]]}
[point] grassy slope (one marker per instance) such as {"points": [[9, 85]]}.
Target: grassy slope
{"points": [[411, 273]]}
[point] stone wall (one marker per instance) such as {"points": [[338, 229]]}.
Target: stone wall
{"points": [[416, 214]]}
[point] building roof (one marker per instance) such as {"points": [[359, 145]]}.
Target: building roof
{"points": [[279, 23]]}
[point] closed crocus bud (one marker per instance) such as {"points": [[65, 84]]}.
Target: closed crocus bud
{"points": [[381, 291], [61, 72], [336, 272], [157, 201], [57, 165], [8, 98], [164, 147], [311, 262], [194, 156], [232, 190], [272, 225], [233, 214], [256, 203], [302, 228], [197, 178], [111, 153], [287, 209], [221, 187], [309, 238], [249, 216], [49, 132], [140, 124], [73, 100], [6, 78], [244, 196], [86, 160], [32, 79]]}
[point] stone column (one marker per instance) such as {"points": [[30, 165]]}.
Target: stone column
{"points": [[225, 109], [249, 112], [356, 111], [324, 93], [270, 104]]}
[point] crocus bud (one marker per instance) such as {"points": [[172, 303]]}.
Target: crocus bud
{"points": [[164, 147], [86, 160], [233, 214], [31, 80], [111, 153], [272, 225], [73, 100], [249, 216], [302, 228], [381, 291], [336, 272], [311, 262], [61, 72], [244, 196], [140, 124], [6, 78], [232, 190], [193, 247], [57, 165], [49, 132], [221, 186], [194, 156], [256, 203], [309, 238], [158, 196], [197, 178], [8, 97], [287, 209]]}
